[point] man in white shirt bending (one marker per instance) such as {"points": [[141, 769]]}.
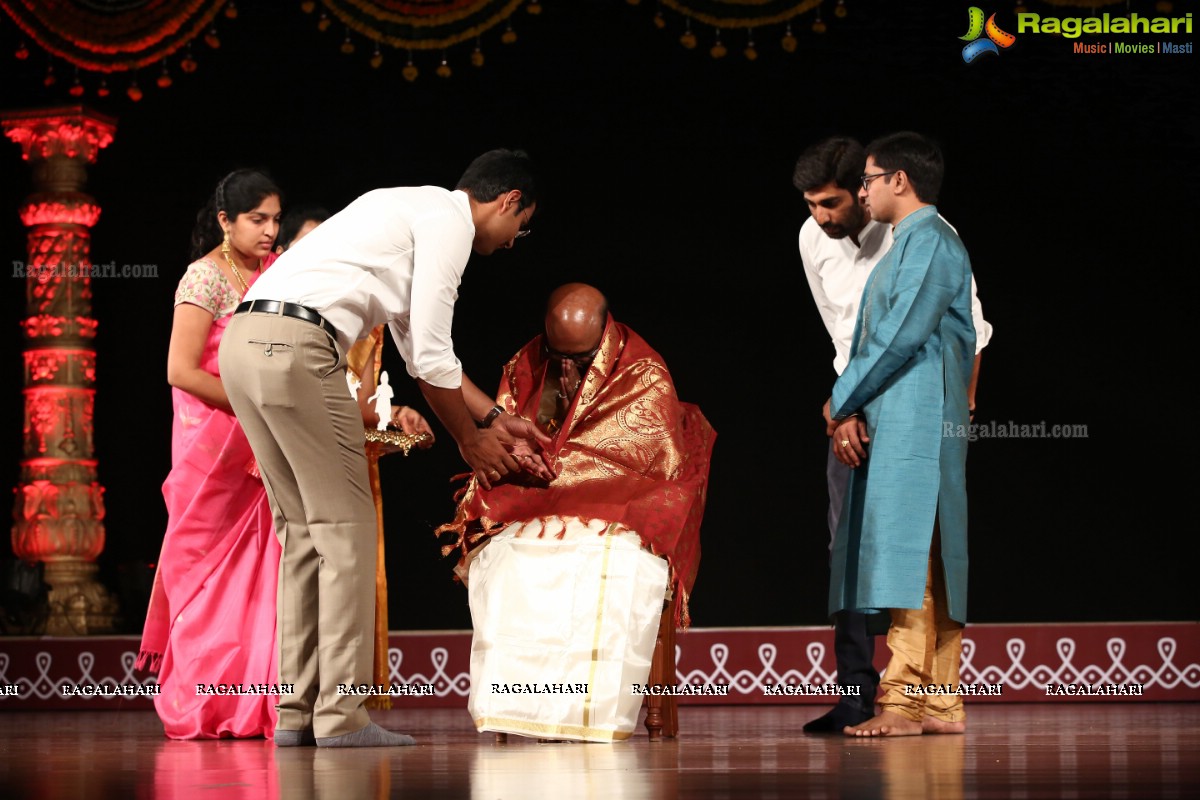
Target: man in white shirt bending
{"points": [[392, 256]]}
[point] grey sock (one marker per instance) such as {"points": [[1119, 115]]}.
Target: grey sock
{"points": [[295, 738], [370, 736]]}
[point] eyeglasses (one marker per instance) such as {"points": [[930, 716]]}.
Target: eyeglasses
{"points": [[580, 359], [866, 179], [524, 231]]}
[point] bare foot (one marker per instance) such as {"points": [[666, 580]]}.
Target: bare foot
{"points": [[886, 723], [935, 725]]}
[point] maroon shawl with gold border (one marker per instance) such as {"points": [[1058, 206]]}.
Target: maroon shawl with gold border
{"points": [[629, 451]]}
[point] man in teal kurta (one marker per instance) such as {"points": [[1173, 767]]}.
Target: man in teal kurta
{"points": [[893, 414]]}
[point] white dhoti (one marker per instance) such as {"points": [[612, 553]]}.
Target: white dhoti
{"points": [[564, 628]]}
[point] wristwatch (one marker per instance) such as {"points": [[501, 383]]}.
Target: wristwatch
{"points": [[487, 421]]}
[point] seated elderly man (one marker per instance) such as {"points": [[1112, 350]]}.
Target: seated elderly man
{"points": [[567, 594]]}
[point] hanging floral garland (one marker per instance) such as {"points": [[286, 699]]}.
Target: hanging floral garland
{"points": [[742, 15], [1090, 4], [116, 37], [421, 25], [140, 33]]}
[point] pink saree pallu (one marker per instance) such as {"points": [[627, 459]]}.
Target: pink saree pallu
{"points": [[210, 626]]}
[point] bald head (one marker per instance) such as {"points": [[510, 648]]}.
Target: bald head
{"points": [[575, 317]]}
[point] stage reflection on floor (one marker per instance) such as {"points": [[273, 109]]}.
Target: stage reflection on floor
{"points": [[1089, 750]]}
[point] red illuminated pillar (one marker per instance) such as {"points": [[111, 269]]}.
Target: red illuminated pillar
{"points": [[59, 506]]}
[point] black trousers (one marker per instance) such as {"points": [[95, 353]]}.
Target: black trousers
{"points": [[853, 633]]}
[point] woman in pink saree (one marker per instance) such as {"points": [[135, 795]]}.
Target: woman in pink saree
{"points": [[210, 626]]}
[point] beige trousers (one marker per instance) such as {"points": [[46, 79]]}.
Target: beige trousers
{"points": [[926, 649], [286, 383]]}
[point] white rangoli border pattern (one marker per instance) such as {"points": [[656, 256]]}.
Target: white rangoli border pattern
{"points": [[443, 684], [1014, 675]]}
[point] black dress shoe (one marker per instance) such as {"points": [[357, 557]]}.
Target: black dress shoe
{"points": [[837, 718]]}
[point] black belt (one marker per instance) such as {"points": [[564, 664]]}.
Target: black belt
{"points": [[288, 310]]}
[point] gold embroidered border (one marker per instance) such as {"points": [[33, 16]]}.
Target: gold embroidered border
{"points": [[587, 698], [546, 731]]}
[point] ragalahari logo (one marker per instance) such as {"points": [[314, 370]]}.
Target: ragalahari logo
{"points": [[976, 27]]}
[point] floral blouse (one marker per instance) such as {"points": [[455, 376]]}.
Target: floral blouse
{"points": [[204, 285]]}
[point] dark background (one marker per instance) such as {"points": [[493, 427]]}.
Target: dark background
{"points": [[1072, 179]]}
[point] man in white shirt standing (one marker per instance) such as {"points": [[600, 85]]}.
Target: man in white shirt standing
{"points": [[392, 256], [839, 245]]}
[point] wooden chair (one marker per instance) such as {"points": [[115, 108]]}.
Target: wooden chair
{"points": [[662, 714]]}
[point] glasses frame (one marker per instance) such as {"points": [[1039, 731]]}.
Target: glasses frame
{"points": [[524, 231], [582, 360], [866, 179]]}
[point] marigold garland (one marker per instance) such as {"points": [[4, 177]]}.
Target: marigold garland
{"points": [[1093, 4], [740, 13], [431, 25], [137, 35]]}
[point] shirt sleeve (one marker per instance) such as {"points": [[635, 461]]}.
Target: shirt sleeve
{"points": [[441, 248], [983, 328], [202, 285], [825, 306]]}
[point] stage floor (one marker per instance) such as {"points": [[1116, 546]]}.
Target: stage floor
{"points": [[1093, 750]]}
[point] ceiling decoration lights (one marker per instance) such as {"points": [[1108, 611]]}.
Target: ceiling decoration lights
{"points": [[102, 39], [434, 27]]}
